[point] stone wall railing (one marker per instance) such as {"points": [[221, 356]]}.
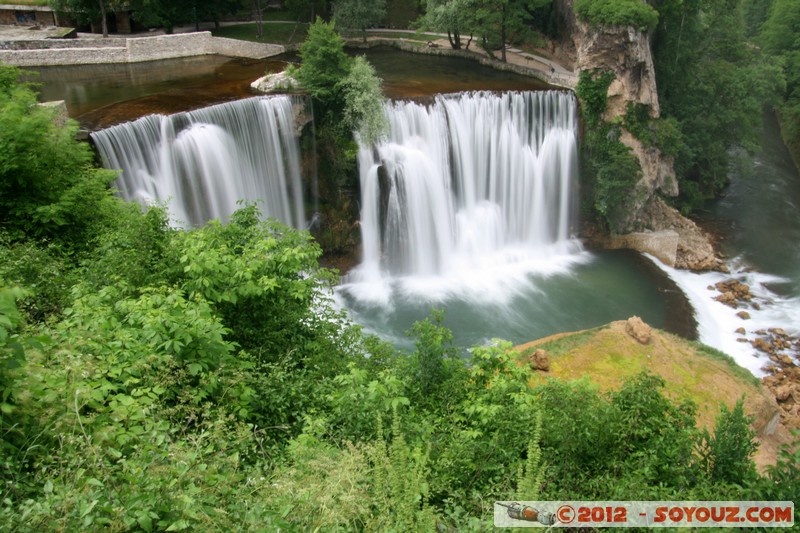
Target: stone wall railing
{"points": [[131, 50], [48, 44]]}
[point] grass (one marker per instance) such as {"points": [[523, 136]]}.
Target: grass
{"points": [[727, 359], [565, 343], [274, 32], [28, 2], [692, 370], [408, 36]]}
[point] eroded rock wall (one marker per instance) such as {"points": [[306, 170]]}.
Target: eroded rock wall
{"points": [[626, 52]]}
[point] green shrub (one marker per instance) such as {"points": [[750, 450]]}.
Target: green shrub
{"points": [[48, 188], [635, 13], [46, 272], [727, 454]]}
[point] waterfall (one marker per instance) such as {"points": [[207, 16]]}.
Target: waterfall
{"points": [[473, 181], [203, 162]]}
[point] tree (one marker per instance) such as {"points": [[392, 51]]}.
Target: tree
{"points": [[359, 14], [779, 38], [617, 13], [726, 454], [323, 62], [451, 16], [303, 11], [502, 21], [714, 84], [363, 101], [86, 11]]}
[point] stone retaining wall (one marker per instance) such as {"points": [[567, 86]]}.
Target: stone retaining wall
{"points": [[48, 44], [133, 50]]}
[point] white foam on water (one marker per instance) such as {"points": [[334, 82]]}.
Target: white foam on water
{"points": [[717, 322]]}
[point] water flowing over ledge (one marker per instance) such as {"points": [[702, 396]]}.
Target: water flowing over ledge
{"points": [[717, 323], [203, 162], [468, 194]]}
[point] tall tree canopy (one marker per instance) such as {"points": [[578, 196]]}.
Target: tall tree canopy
{"points": [[714, 83], [451, 16], [359, 14], [499, 22], [780, 36]]}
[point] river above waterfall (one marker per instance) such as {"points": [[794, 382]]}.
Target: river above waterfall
{"points": [[98, 96]]}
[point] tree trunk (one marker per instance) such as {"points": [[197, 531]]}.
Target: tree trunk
{"points": [[103, 21], [455, 40], [364, 33], [259, 19], [503, 35]]}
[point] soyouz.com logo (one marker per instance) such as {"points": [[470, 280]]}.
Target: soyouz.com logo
{"points": [[643, 514]]}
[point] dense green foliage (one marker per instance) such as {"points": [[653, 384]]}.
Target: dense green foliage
{"points": [[609, 169], [347, 98], [495, 23], [166, 13], [363, 111], [48, 190], [358, 15], [324, 63], [715, 85], [637, 13], [779, 37], [450, 16]]}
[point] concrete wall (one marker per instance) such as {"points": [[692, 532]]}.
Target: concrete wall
{"points": [[132, 50]]}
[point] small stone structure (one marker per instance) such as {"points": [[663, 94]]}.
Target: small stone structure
{"points": [[131, 50], [663, 245], [27, 15]]}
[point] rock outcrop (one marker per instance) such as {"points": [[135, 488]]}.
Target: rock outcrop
{"points": [[274, 83], [625, 51], [637, 329]]}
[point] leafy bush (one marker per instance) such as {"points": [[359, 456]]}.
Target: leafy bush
{"points": [[609, 168], [662, 133], [45, 271], [48, 188], [635, 13], [324, 63], [363, 102], [727, 453]]}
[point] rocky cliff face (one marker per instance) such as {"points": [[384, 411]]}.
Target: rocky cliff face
{"points": [[626, 52]]}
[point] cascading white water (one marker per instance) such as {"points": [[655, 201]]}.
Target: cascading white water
{"points": [[203, 162], [472, 181]]}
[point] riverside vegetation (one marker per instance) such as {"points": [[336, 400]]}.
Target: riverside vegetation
{"points": [[157, 379]]}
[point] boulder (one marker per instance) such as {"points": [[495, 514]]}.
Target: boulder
{"points": [[636, 328], [540, 361], [762, 345], [278, 82], [784, 392]]}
